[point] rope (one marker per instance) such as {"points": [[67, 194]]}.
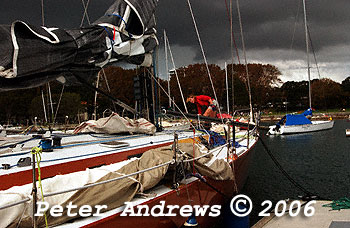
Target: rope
{"points": [[117, 15], [37, 152], [309, 195], [204, 57]]}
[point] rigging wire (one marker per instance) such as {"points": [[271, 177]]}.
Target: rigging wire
{"points": [[107, 84], [233, 40], [166, 66], [160, 86], [85, 13], [245, 59], [118, 102], [44, 106], [58, 105], [177, 77], [50, 98], [232, 43], [296, 18], [204, 57], [313, 51]]}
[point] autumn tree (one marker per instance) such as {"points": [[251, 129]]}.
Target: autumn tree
{"points": [[262, 79]]}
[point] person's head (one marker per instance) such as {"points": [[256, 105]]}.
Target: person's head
{"points": [[190, 99]]}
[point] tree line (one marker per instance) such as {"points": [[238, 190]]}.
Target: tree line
{"points": [[268, 93]]}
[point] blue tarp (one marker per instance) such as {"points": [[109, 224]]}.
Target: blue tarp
{"points": [[308, 112], [296, 120]]}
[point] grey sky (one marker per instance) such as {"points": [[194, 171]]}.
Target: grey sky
{"points": [[268, 29]]}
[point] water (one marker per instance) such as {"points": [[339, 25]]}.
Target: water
{"points": [[319, 161]]}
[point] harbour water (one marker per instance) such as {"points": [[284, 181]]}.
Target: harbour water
{"points": [[319, 162]]}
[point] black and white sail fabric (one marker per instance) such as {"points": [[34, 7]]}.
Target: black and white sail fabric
{"points": [[32, 55]]}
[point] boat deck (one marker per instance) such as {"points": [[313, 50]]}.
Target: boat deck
{"points": [[324, 217]]}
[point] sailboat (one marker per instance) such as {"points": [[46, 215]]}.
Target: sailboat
{"points": [[172, 168], [301, 123]]}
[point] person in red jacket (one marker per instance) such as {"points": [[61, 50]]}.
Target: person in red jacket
{"points": [[203, 100]]}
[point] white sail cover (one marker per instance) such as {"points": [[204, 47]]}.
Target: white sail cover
{"points": [[115, 124], [32, 55]]}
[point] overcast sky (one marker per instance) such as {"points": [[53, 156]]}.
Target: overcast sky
{"points": [[268, 27]]}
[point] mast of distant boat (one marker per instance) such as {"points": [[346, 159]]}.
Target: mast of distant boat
{"points": [[307, 52]]}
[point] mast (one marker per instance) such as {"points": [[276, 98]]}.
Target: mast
{"points": [[227, 99], [307, 51]]}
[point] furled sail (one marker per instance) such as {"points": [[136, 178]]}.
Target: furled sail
{"points": [[31, 55]]}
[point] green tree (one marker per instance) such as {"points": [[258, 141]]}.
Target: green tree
{"points": [[326, 93]]}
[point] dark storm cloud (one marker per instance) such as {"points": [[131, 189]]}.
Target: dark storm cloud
{"points": [[266, 23], [59, 13], [268, 26]]}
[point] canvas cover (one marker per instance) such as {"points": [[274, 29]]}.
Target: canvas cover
{"points": [[296, 120], [115, 124], [217, 169], [113, 194], [31, 55]]}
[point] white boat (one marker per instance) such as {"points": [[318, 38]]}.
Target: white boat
{"points": [[300, 123], [294, 124], [347, 132]]}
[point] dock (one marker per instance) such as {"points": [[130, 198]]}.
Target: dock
{"points": [[324, 217]]}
